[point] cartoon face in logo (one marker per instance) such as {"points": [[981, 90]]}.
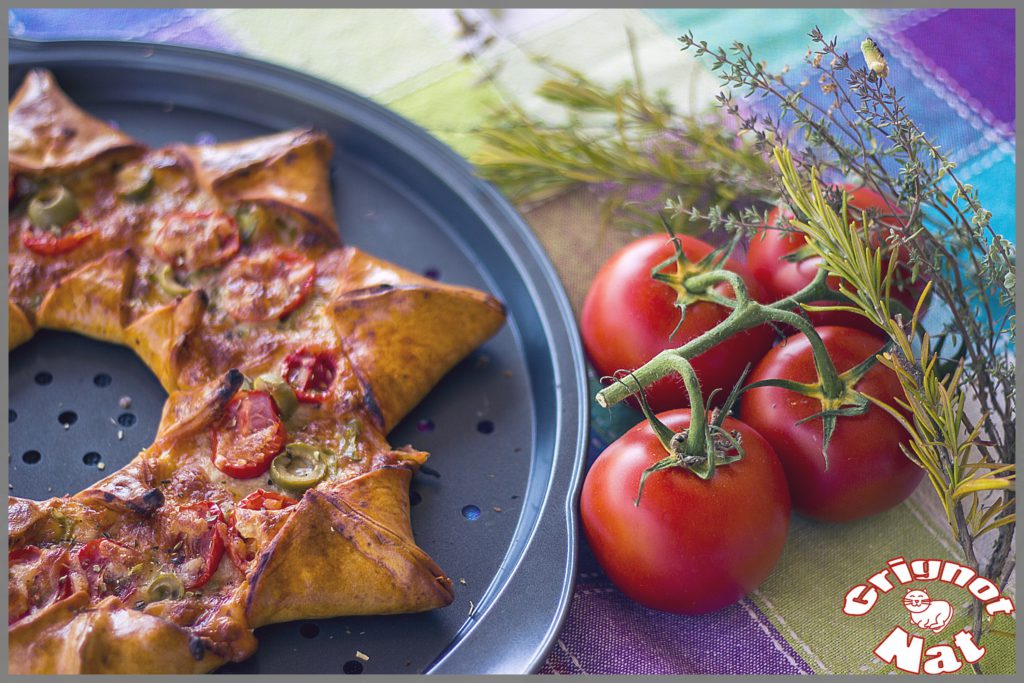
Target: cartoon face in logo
{"points": [[931, 614]]}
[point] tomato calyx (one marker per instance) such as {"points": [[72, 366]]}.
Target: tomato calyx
{"points": [[683, 280], [703, 446], [844, 403]]}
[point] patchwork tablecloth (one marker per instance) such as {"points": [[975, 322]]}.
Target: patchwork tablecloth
{"points": [[956, 70]]}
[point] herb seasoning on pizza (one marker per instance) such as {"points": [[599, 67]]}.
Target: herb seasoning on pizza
{"points": [[270, 492]]}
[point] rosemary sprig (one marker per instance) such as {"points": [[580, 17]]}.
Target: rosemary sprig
{"points": [[631, 147]]}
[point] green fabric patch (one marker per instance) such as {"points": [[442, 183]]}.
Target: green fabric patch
{"points": [[597, 45], [343, 46], [453, 104], [804, 595]]}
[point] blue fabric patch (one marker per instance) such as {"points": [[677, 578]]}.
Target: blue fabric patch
{"points": [[105, 23], [778, 36]]}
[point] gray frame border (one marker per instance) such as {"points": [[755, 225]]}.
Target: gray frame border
{"points": [[724, 4]]}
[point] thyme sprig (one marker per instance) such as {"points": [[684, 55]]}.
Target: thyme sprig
{"points": [[943, 440], [859, 129]]}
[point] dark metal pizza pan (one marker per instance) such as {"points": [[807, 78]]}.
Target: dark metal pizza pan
{"points": [[507, 427]]}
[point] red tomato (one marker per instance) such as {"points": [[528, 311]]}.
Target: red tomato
{"points": [[268, 285], [237, 549], [38, 578], [310, 373], [628, 318], [47, 243], [249, 436], [197, 239], [691, 546], [867, 473], [24, 554], [108, 567], [261, 499], [766, 259], [193, 534]]}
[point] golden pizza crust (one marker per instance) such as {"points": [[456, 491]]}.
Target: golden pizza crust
{"points": [[47, 132], [346, 547], [69, 637], [404, 339], [19, 329], [91, 300], [158, 337], [282, 170], [365, 560]]}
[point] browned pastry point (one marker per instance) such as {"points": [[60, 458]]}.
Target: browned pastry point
{"points": [[218, 265]]}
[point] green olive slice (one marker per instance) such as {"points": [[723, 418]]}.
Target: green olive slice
{"points": [[252, 219], [52, 206], [164, 278], [165, 586], [134, 182], [300, 467], [67, 526], [282, 393]]}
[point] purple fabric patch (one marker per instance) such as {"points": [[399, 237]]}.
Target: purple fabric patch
{"points": [[607, 633], [972, 51]]}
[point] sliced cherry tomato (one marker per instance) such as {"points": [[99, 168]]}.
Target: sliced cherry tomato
{"points": [[628, 318], [28, 553], [268, 285], [197, 239], [108, 567], [249, 436], [194, 535], [47, 243], [37, 578], [310, 373], [237, 549], [691, 545], [771, 260], [261, 499]]}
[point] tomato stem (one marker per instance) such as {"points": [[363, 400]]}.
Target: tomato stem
{"points": [[703, 445], [746, 313], [835, 391]]}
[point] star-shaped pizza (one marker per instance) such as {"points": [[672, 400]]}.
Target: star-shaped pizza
{"points": [[270, 492]]}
